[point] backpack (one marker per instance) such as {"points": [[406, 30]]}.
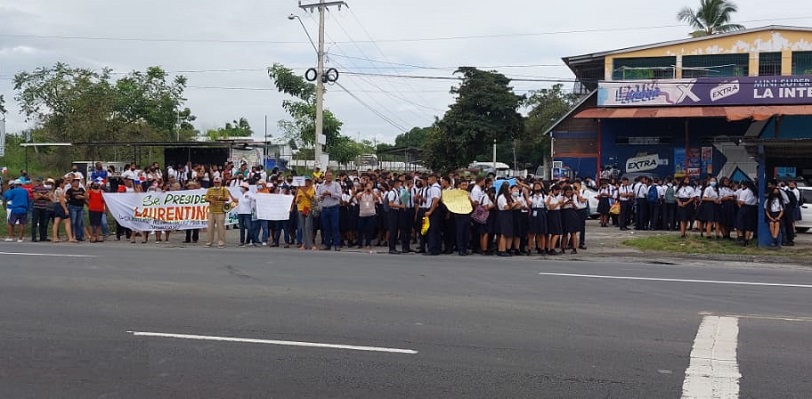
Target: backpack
{"points": [[670, 197], [386, 201], [653, 195], [793, 200]]}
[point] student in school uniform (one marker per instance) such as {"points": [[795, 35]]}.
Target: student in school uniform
{"points": [[447, 219], [774, 212], [669, 203], [393, 215], [462, 222], [626, 198], [727, 207], [571, 219], [685, 204], [553, 205], [606, 195], [505, 205], [432, 206], [747, 217], [490, 229], [708, 213], [696, 207], [582, 208], [521, 218], [406, 216], [538, 219]]}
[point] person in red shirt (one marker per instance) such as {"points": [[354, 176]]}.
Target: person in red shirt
{"points": [[96, 208]]}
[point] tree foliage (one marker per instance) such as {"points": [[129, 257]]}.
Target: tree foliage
{"points": [[302, 109], [84, 105], [236, 128], [485, 110], [2, 105], [711, 17], [546, 106], [416, 137]]}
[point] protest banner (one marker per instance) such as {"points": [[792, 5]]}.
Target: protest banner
{"points": [[183, 210]]}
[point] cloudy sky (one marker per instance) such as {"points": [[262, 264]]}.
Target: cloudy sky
{"points": [[224, 48]]}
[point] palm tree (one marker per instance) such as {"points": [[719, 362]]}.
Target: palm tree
{"points": [[712, 17]]}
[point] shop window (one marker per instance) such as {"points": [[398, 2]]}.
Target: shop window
{"points": [[802, 63], [769, 64], [643, 68], [716, 65]]}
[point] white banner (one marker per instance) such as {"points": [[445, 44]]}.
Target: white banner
{"points": [[273, 206], [182, 210]]}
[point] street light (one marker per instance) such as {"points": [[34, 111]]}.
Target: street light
{"points": [[296, 17]]}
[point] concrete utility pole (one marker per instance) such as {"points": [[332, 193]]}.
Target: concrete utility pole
{"points": [[322, 6]]}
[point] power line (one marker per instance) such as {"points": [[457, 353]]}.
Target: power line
{"points": [[393, 40]]}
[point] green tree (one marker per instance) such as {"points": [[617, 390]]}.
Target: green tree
{"points": [[546, 106], [237, 128], [302, 108], [485, 109], [83, 105], [2, 105], [712, 17], [416, 137]]}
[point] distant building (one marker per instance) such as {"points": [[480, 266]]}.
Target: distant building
{"points": [[700, 107]]}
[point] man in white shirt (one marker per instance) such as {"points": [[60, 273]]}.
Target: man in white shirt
{"points": [[640, 194], [433, 195]]}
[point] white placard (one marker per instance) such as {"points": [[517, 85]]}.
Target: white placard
{"points": [[298, 181], [273, 206]]}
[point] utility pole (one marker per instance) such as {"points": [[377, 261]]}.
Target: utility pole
{"points": [[322, 6]]}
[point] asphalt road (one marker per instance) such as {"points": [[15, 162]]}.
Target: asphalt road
{"points": [[73, 324]]}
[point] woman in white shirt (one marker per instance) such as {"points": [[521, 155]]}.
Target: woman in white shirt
{"points": [[774, 210], [685, 204], [485, 230], [707, 212], [727, 208], [505, 204], [538, 219], [245, 207], [553, 205], [747, 217]]}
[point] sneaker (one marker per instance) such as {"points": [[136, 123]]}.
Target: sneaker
{"points": [[20, 240], [9, 239]]}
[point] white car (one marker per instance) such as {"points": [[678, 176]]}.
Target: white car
{"points": [[803, 225], [592, 197]]}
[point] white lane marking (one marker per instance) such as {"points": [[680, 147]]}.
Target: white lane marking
{"points": [[678, 280], [275, 342], [802, 319], [714, 372], [47, 255]]}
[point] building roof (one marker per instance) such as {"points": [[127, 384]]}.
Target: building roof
{"points": [[570, 112], [586, 58]]}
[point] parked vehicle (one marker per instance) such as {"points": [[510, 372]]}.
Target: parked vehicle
{"points": [[803, 225]]}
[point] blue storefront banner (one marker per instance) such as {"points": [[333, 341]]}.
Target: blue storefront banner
{"points": [[741, 90]]}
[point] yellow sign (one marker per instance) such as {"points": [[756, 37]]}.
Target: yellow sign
{"points": [[457, 201]]}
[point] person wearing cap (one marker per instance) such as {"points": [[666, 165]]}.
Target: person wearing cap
{"points": [[245, 208], [217, 197], [43, 202], [16, 203]]}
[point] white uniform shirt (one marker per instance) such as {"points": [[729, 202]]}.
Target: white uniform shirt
{"points": [[685, 193], [710, 192], [502, 203], [747, 197]]}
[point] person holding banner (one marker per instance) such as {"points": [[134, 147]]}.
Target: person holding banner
{"points": [[304, 204], [217, 197]]}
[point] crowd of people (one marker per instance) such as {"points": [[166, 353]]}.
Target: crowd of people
{"points": [[714, 208], [405, 212]]}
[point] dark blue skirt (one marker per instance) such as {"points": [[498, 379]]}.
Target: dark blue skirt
{"points": [[506, 227], [571, 221], [603, 206], [538, 221], [747, 218], [554, 223]]}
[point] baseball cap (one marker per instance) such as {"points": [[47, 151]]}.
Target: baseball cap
{"points": [[245, 185]]}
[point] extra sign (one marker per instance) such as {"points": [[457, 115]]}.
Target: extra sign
{"points": [[642, 163]]}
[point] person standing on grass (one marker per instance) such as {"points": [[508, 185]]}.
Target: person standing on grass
{"points": [[16, 203], [96, 208], [217, 197], [774, 212], [43, 203], [747, 217], [710, 207]]}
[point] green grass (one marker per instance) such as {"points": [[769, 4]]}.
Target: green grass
{"points": [[696, 245]]}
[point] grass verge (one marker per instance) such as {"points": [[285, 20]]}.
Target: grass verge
{"points": [[696, 245]]}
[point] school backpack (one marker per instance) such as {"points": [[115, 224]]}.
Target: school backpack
{"points": [[670, 197], [793, 200], [386, 202], [653, 195]]}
